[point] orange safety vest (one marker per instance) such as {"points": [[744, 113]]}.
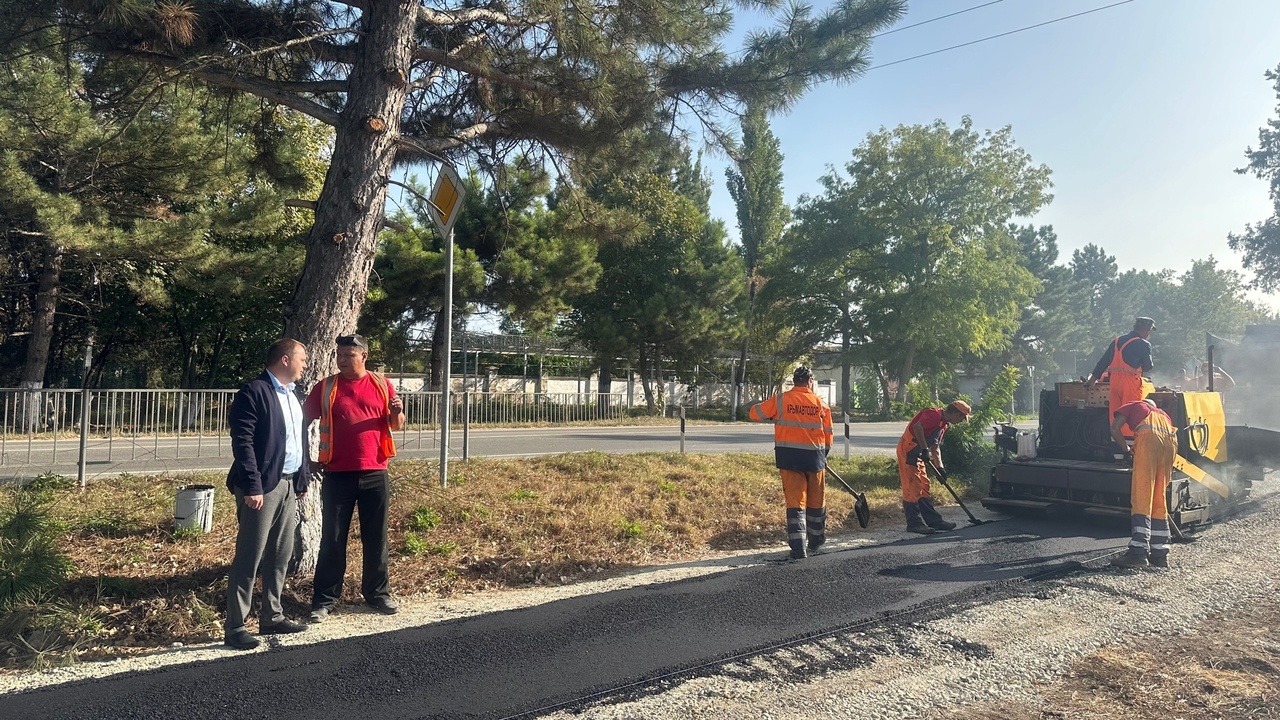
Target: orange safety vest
{"points": [[1125, 380], [328, 391]]}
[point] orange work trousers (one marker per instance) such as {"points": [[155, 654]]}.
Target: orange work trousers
{"points": [[803, 489], [1126, 387], [915, 481], [1154, 447]]}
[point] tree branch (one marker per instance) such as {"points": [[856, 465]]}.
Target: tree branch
{"points": [[440, 57], [466, 15], [280, 92]]}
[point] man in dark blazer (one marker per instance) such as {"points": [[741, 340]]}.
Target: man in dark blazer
{"points": [[268, 475]]}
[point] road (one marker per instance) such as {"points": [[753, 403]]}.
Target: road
{"points": [[23, 458], [523, 663]]}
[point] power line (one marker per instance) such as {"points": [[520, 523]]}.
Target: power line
{"points": [[1000, 35], [940, 17]]}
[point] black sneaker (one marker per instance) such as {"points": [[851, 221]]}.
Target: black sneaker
{"points": [[943, 525], [240, 640], [384, 605], [1158, 559], [920, 529], [815, 543], [284, 627]]}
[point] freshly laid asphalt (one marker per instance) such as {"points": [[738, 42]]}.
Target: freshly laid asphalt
{"points": [[519, 661]]}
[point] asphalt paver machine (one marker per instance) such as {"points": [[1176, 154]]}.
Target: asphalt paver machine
{"points": [[1071, 465]]}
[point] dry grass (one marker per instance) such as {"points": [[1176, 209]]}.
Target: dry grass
{"points": [[501, 523]]}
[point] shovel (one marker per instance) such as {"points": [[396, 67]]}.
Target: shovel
{"points": [[860, 508], [942, 477]]}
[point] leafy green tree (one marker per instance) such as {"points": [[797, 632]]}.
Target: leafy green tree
{"points": [[755, 184], [668, 287], [1260, 243], [401, 81], [514, 254], [1205, 299], [127, 188], [911, 255]]}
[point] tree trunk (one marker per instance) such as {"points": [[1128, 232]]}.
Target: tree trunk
{"points": [[604, 387], [884, 389], [646, 379], [350, 209], [42, 316], [908, 366], [437, 353], [746, 337], [845, 374]]}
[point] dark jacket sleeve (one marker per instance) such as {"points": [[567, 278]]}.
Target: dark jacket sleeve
{"points": [[244, 418], [1105, 361]]}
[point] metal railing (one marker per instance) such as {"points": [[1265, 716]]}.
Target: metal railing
{"points": [[42, 427]]}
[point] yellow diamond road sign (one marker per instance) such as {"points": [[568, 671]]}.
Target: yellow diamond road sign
{"points": [[446, 199]]}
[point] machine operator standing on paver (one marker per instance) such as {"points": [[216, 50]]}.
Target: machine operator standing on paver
{"points": [[1124, 360]]}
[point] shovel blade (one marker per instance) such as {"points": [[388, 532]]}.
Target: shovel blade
{"points": [[861, 509]]}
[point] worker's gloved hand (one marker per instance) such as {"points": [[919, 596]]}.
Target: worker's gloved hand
{"points": [[828, 452]]}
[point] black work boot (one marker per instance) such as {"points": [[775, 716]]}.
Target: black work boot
{"points": [[1159, 558], [1132, 558], [914, 523], [815, 520], [795, 532], [932, 517]]}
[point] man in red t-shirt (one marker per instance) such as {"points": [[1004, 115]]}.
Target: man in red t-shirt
{"points": [[357, 410], [924, 435]]}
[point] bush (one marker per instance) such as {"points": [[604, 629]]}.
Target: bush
{"points": [[966, 449], [32, 566]]}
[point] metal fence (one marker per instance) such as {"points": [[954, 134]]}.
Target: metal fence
{"points": [[42, 427]]}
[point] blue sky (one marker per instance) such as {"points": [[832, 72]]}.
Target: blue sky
{"points": [[1143, 111]]}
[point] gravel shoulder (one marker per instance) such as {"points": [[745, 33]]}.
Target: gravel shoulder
{"points": [[1201, 639]]}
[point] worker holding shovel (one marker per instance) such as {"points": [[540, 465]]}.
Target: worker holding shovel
{"points": [[801, 441], [924, 435]]}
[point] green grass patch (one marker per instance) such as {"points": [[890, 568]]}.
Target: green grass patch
{"points": [[424, 519]]}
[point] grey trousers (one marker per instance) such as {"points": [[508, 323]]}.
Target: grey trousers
{"points": [[265, 540]]}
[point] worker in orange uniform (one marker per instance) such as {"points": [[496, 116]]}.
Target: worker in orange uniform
{"points": [[1155, 443], [1125, 359], [801, 442], [924, 435]]}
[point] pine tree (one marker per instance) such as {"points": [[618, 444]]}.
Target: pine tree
{"points": [[400, 82]]}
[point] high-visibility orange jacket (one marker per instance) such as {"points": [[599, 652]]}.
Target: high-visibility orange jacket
{"points": [[801, 428]]}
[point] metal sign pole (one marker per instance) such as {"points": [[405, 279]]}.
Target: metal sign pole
{"points": [[448, 358], [84, 413], [445, 203]]}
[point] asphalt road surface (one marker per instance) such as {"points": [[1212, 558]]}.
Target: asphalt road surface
{"points": [[528, 661], [23, 458]]}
